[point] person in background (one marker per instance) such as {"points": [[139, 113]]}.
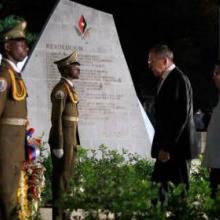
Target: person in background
{"points": [[63, 137], [212, 150], [174, 143], [13, 118]]}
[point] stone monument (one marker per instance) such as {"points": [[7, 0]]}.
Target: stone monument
{"points": [[110, 112]]}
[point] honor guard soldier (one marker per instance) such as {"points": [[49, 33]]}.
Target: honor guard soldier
{"points": [[13, 118], [63, 134]]}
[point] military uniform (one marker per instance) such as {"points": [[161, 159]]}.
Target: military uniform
{"points": [[13, 121], [63, 135]]}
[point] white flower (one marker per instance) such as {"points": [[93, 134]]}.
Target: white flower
{"points": [[81, 189]]}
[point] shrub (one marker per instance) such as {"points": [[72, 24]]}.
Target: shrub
{"points": [[108, 180], [120, 183]]}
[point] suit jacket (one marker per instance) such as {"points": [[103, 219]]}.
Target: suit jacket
{"points": [[175, 129]]}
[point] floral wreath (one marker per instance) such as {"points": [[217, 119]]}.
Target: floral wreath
{"points": [[32, 180]]}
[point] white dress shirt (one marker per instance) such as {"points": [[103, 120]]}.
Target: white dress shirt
{"points": [[14, 66], [69, 81]]}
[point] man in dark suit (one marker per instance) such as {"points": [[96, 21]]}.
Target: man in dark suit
{"points": [[174, 142]]}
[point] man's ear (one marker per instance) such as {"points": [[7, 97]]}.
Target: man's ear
{"points": [[166, 61], [7, 46]]}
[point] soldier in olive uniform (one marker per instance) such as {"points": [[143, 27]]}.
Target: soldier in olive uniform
{"points": [[13, 118], [63, 134]]}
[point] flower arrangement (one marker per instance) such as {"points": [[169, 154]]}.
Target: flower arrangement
{"points": [[32, 179]]}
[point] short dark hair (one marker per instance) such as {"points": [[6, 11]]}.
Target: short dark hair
{"points": [[162, 50]]}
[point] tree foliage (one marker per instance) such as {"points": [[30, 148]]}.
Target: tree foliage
{"points": [[12, 20]]}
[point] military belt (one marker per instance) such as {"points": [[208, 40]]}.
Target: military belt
{"points": [[13, 121], [70, 118]]}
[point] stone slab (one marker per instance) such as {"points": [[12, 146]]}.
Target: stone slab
{"points": [[110, 112]]}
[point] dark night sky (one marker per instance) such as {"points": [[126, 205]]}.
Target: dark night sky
{"points": [[189, 27]]}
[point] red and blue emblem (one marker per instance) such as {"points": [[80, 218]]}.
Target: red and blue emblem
{"points": [[33, 145]]}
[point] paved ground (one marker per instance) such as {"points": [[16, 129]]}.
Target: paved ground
{"points": [[46, 213]]}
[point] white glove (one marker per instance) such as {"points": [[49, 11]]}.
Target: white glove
{"points": [[58, 153]]}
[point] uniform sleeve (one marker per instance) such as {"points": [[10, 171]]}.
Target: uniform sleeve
{"points": [[58, 105], [3, 94]]}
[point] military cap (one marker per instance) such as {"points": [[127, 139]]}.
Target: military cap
{"points": [[16, 32], [71, 59]]}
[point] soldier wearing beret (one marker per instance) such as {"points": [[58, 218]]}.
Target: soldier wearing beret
{"points": [[13, 118], [63, 134]]}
